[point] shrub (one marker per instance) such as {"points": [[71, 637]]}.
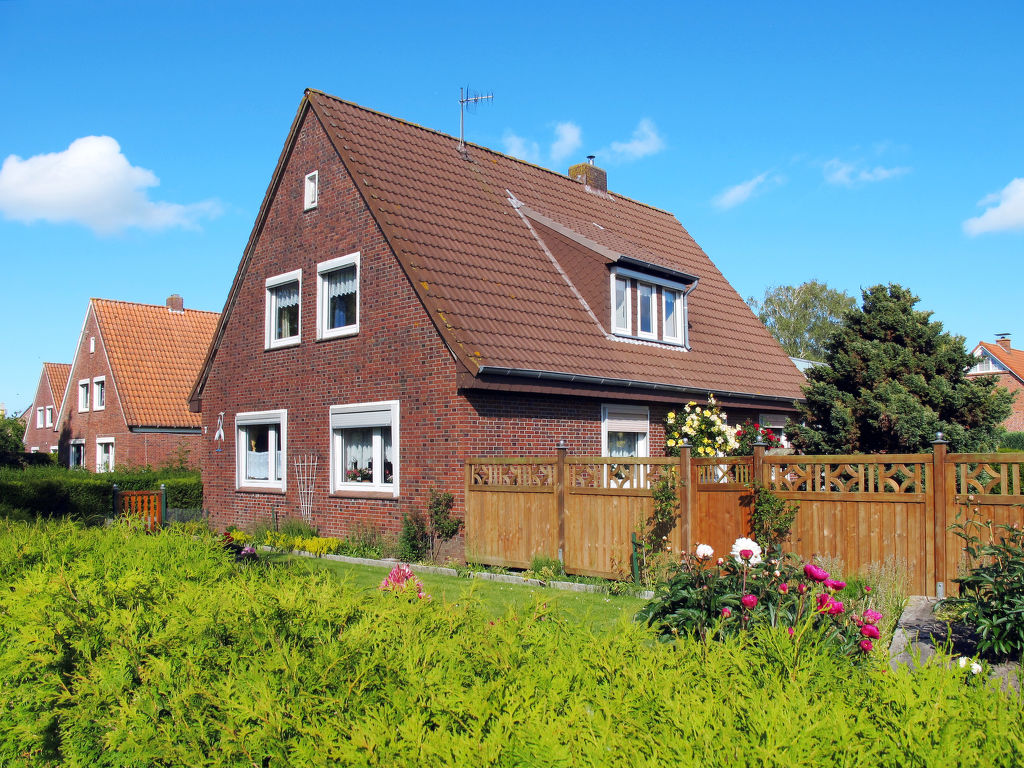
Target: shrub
{"points": [[992, 592], [771, 519], [1012, 441], [443, 527], [704, 427], [749, 433], [414, 540]]}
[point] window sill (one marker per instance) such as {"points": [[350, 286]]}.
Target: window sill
{"points": [[356, 493], [339, 333], [283, 344], [259, 489]]}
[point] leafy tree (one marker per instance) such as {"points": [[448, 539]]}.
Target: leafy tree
{"points": [[802, 316], [892, 379], [12, 432]]}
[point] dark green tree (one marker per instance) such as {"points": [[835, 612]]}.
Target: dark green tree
{"points": [[892, 379], [12, 431], [802, 316]]}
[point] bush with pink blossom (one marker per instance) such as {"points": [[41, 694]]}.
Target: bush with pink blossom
{"points": [[402, 581]]}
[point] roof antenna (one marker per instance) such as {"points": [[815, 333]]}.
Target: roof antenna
{"points": [[468, 100]]}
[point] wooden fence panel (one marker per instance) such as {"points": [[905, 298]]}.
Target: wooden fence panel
{"points": [[145, 505]]}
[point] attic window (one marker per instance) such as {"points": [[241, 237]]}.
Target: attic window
{"points": [[649, 307], [312, 190], [283, 309], [987, 364]]}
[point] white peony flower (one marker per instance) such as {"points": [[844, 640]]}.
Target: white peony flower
{"points": [[962, 661], [975, 668], [741, 544], [704, 552]]}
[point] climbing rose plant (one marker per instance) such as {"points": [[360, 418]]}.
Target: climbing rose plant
{"points": [[704, 427]]}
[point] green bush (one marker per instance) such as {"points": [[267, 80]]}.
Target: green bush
{"points": [[118, 649], [1012, 441], [414, 539]]}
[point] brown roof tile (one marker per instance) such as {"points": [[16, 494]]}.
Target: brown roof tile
{"points": [[1011, 358], [57, 374], [155, 356]]}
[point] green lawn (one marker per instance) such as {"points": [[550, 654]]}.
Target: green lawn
{"points": [[601, 612]]}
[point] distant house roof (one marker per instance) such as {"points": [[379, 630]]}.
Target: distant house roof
{"points": [[155, 354], [476, 239], [805, 365], [1011, 359], [57, 376]]}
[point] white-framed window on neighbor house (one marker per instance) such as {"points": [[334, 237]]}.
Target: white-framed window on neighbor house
{"points": [[625, 430], [76, 453], [365, 447], [283, 312], [261, 459], [987, 364], [338, 297], [621, 310], [646, 294], [311, 191], [99, 393], [39, 417], [49, 415], [776, 422], [83, 395], [104, 454]]}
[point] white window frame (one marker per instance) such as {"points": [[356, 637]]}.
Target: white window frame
{"points": [[99, 386], [679, 313], [627, 329], [39, 417], [323, 269], [270, 311], [92, 345], [83, 395], [275, 418], [612, 411], [987, 364], [354, 415], [776, 422], [49, 415], [660, 286], [102, 441], [77, 442], [311, 191], [652, 307]]}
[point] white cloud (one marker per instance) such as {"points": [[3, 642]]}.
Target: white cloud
{"points": [[522, 148], [568, 139], [645, 141], [90, 183], [740, 193], [850, 174], [1006, 211]]}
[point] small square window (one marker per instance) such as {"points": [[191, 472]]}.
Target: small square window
{"points": [[312, 190], [364, 447], [283, 313], [99, 393], [261, 459], [83, 395], [338, 297]]}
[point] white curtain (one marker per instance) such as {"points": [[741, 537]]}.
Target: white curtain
{"points": [[341, 282]]}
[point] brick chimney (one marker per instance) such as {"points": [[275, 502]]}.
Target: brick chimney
{"points": [[175, 303], [1003, 340], [590, 174]]}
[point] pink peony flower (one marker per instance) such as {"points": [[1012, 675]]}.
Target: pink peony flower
{"points": [[749, 601], [866, 645], [872, 617], [746, 554], [836, 608], [870, 630], [867, 589], [834, 585], [783, 587], [801, 588], [726, 613], [814, 573], [791, 631]]}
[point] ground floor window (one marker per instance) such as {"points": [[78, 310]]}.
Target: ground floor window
{"points": [[261, 458], [364, 447], [76, 456], [625, 430], [104, 454]]}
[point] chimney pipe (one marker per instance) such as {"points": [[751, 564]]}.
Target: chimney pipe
{"points": [[175, 303], [1003, 340]]}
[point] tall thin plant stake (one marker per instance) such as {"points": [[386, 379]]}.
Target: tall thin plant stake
{"points": [[305, 476]]}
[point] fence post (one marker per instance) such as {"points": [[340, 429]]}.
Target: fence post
{"points": [[560, 452], [685, 492], [939, 506], [757, 468], [163, 506], [114, 501]]}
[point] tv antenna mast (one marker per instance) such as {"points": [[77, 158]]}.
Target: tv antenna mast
{"points": [[468, 100]]}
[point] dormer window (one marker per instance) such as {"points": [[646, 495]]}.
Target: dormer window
{"points": [[312, 192], [987, 364], [649, 306]]}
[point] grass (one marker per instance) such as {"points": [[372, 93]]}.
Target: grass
{"points": [[600, 612]]}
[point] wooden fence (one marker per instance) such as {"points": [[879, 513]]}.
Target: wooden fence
{"points": [[148, 506], [862, 509]]}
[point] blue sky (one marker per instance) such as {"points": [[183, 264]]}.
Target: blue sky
{"points": [[850, 143]]}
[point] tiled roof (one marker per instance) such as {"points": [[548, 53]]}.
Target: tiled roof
{"points": [[1011, 358], [491, 286], [155, 356], [57, 374]]}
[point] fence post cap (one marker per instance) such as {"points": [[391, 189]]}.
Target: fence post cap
{"points": [[163, 486], [686, 442], [760, 443], [562, 443], [940, 439]]}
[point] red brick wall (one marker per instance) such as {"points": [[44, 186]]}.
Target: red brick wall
{"points": [[131, 449], [41, 438]]}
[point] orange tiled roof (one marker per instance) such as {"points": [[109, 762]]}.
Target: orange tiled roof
{"points": [[1011, 358], [57, 374], [155, 355]]}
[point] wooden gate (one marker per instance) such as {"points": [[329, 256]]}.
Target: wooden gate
{"points": [[148, 506]]}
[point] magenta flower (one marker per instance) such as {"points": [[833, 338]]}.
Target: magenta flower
{"points": [[834, 585], [866, 645], [814, 573], [872, 617], [749, 601], [867, 589], [870, 630], [783, 587], [801, 588], [726, 613], [791, 631], [746, 554], [836, 608]]}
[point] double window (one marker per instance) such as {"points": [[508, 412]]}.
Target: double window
{"points": [[648, 307], [364, 447], [283, 309], [338, 297], [261, 443]]}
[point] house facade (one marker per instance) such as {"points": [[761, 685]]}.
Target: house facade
{"points": [[41, 435], [126, 397], [405, 303], [1001, 360]]}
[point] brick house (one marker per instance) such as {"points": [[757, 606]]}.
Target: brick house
{"points": [[126, 402], [1007, 365], [404, 303], [41, 417]]}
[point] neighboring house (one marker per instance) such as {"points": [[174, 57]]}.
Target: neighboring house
{"points": [[126, 402], [404, 304], [41, 428], [1007, 365]]}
